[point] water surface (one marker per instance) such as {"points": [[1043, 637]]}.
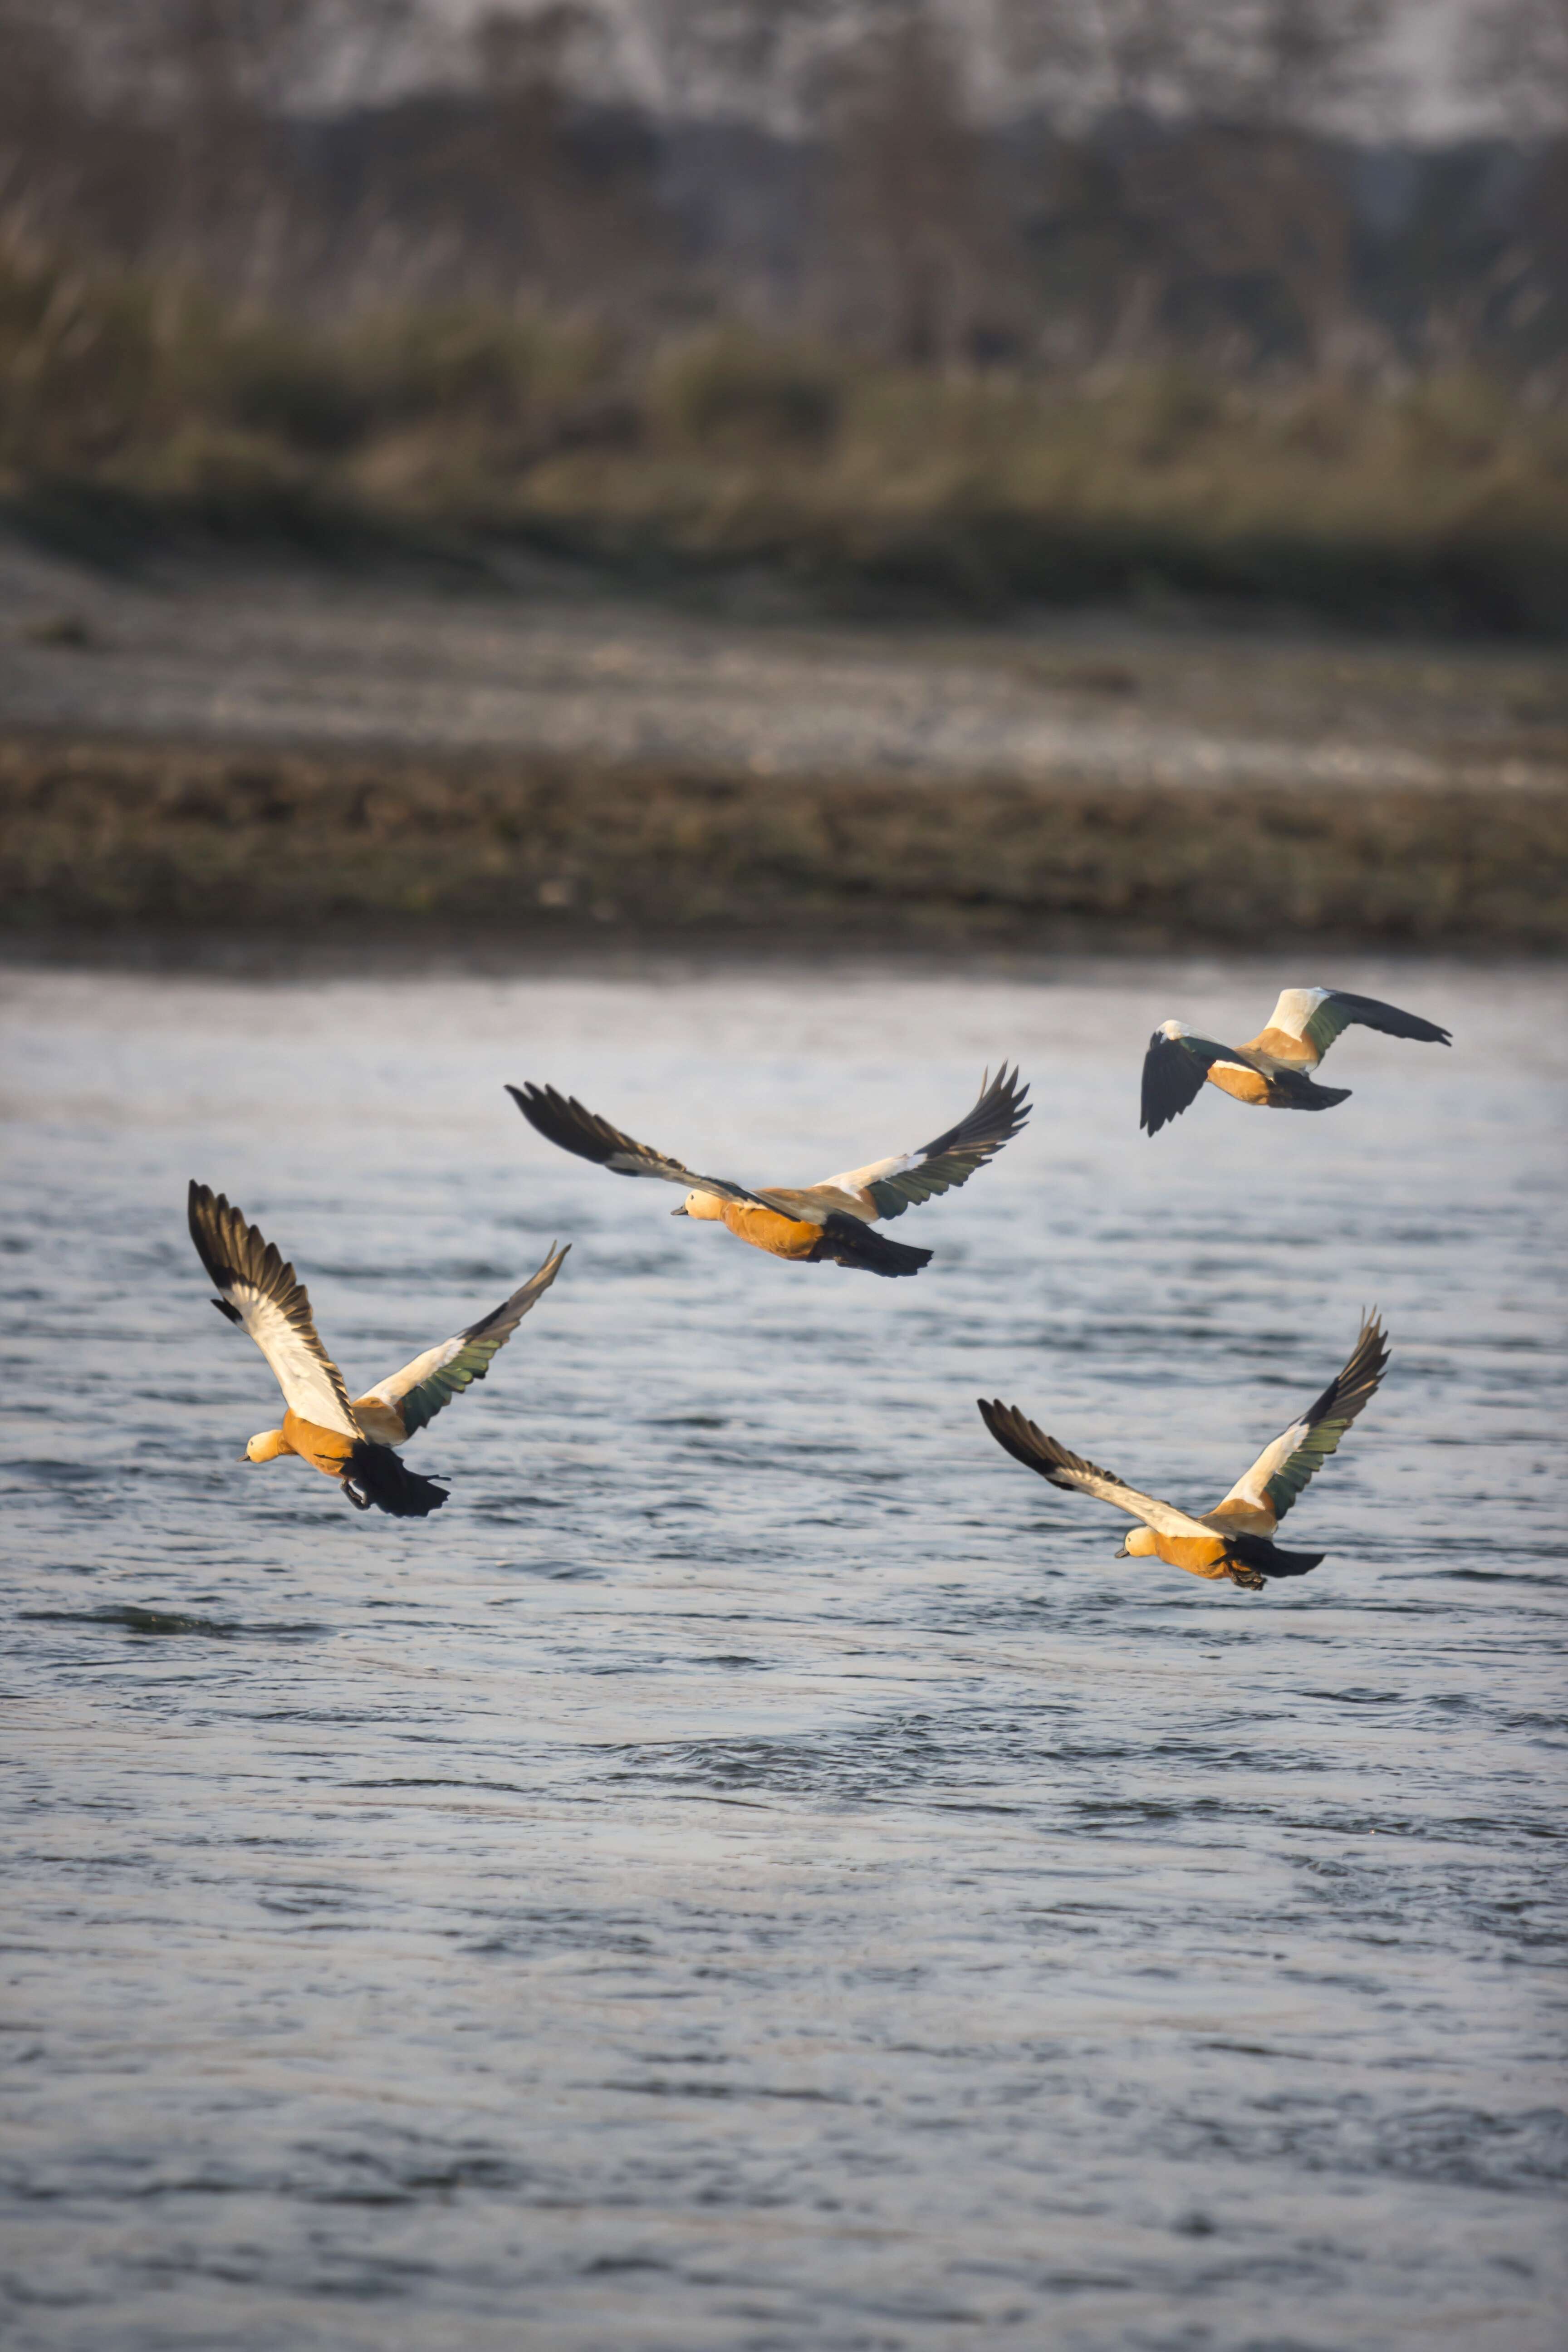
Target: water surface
{"points": [[755, 1872]]}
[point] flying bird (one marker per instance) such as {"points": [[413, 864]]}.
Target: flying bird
{"points": [[1234, 1539], [353, 1441], [831, 1221], [1273, 1069]]}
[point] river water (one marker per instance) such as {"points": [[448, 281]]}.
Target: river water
{"points": [[755, 1872]]}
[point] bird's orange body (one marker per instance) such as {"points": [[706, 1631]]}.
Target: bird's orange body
{"points": [[326, 1450], [1279, 1045], [788, 1237], [1199, 1557], [1246, 1085]]}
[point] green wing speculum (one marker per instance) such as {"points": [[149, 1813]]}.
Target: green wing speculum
{"points": [[427, 1386], [1284, 1468]]}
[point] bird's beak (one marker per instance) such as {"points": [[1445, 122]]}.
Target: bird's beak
{"points": [[1124, 1553], [243, 1458], [679, 1210]]}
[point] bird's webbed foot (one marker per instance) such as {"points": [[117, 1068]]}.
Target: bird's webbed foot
{"points": [[356, 1495], [1247, 1578]]}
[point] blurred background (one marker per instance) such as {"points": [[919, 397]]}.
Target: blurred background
{"points": [[1179, 314]]}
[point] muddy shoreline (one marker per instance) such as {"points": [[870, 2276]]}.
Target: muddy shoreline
{"points": [[220, 758], [531, 854]]}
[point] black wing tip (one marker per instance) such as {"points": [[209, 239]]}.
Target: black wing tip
{"points": [[1016, 1435], [528, 1097], [1007, 1089], [1371, 1343], [999, 1420], [999, 1417], [232, 1249], [1392, 1019], [562, 1121], [207, 1214], [537, 1103], [557, 1253], [999, 1112], [1359, 1377]]}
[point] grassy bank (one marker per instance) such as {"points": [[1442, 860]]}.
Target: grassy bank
{"points": [[124, 840], [128, 407]]}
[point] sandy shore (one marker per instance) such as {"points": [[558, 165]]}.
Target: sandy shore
{"points": [[300, 657]]}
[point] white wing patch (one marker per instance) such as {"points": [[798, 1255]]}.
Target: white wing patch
{"points": [[1294, 1010], [1252, 1486], [861, 1179], [1163, 1518], [312, 1383], [260, 1292]]}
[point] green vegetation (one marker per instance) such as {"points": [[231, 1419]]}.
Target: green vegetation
{"points": [[1445, 504], [528, 852]]}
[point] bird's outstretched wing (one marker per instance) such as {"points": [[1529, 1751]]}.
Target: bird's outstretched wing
{"points": [[1283, 1468], [888, 1187], [258, 1290], [422, 1389], [562, 1119], [1174, 1068], [1019, 1436], [1318, 1015]]}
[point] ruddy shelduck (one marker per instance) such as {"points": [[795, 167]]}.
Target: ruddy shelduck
{"points": [[1272, 1071], [830, 1221], [1233, 1541], [353, 1442]]}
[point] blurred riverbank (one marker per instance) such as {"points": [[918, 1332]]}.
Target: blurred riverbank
{"points": [[288, 753], [532, 852]]}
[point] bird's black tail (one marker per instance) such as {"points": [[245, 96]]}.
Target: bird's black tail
{"points": [[1266, 1558], [1310, 1096], [847, 1241], [375, 1473]]}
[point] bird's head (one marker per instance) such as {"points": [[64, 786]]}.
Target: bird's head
{"points": [[1140, 1545], [698, 1204], [266, 1446]]}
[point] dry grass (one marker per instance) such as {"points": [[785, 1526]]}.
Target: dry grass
{"points": [[530, 851], [1443, 505]]}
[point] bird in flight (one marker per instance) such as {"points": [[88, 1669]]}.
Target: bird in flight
{"points": [[834, 1220], [1272, 1070], [1235, 1540], [353, 1441]]}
